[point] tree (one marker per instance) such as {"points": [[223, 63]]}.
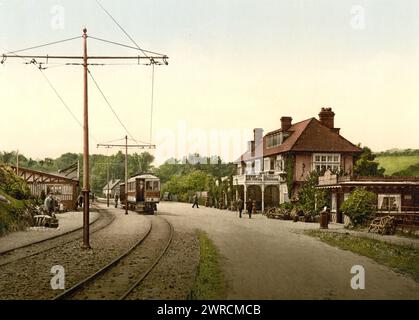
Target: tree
{"points": [[366, 166], [312, 199], [360, 205]]}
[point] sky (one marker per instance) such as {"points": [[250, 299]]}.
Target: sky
{"points": [[234, 65]]}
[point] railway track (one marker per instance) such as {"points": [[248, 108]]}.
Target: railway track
{"points": [[35, 248], [119, 278]]}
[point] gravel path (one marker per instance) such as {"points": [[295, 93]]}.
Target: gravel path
{"points": [[29, 278], [266, 259], [68, 222]]}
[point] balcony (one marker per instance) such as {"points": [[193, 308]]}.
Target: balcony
{"points": [[259, 178]]}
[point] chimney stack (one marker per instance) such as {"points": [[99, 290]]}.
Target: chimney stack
{"points": [[286, 123], [258, 135], [327, 117]]}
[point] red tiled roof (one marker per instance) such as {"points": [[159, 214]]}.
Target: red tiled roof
{"points": [[307, 136], [312, 136]]}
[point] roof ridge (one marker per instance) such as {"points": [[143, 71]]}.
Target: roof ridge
{"points": [[338, 134], [279, 129], [302, 131]]}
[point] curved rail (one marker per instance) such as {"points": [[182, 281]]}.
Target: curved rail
{"points": [[97, 221], [68, 293], [73, 290], [147, 272]]}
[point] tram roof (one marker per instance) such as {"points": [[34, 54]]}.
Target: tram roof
{"points": [[144, 176]]}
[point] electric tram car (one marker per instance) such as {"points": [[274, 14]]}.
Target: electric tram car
{"points": [[143, 193]]}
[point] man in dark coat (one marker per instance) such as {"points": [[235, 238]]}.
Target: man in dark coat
{"points": [[240, 206], [249, 207], [195, 201], [80, 200], [116, 200]]}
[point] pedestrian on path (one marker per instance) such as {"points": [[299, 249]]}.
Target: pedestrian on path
{"points": [[116, 200], [240, 206], [195, 201], [49, 204], [249, 208], [80, 200]]}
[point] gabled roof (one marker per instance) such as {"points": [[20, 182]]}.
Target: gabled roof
{"points": [[296, 130], [71, 171], [312, 136], [112, 184]]}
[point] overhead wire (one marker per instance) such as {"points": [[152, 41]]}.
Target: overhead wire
{"points": [[43, 45], [120, 27], [125, 46], [152, 62], [152, 102], [35, 63], [111, 108]]}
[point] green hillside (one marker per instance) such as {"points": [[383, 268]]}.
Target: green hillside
{"points": [[11, 214], [399, 164], [15, 206]]}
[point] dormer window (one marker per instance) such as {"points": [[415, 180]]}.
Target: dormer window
{"points": [[273, 140]]}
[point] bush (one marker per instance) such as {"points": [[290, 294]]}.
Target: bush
{"points": [[13, 185], [360, 206], [309, 195]]}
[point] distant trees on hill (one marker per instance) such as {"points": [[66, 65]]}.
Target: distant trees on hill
{"points": [[398, 152], [366, 164]]}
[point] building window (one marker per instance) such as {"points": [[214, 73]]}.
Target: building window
{"points": [[327, 161], [266, 164], [389, 202], [279, 164], [273, 140], [257, 166]]}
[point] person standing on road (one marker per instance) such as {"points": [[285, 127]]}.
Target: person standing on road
{"points": [[195, 201], [240, 206], [80, 200], [116, 200], [249, 208], [49, 204]]}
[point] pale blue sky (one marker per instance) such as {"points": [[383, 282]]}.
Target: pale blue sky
{"points": [[233, 64]]}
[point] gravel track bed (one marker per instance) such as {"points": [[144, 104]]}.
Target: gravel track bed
{"points": [[174, 276], [29, 278], [116, 281], [103, 221]]}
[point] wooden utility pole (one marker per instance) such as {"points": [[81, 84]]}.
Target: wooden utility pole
{"points": [[86, 175], [85, 58], [126, 146], [107, 176], [126, 174]]}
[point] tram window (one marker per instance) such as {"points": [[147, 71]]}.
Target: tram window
{"points": [[149, 185], [155, 186]]}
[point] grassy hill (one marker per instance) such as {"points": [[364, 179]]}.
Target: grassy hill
{"points": [[15, 206], [399, 164], [12, 214]]}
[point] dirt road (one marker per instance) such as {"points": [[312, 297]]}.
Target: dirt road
{"points": [[268, 259]]}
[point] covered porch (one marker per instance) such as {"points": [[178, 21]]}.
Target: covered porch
{"points": [[267, 190]]}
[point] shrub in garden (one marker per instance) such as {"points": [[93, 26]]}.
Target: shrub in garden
{"points": [[360, 206], [309, 195]]}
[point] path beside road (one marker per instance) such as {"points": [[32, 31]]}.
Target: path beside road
{"points": [[267, 259], [68, 222]]}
